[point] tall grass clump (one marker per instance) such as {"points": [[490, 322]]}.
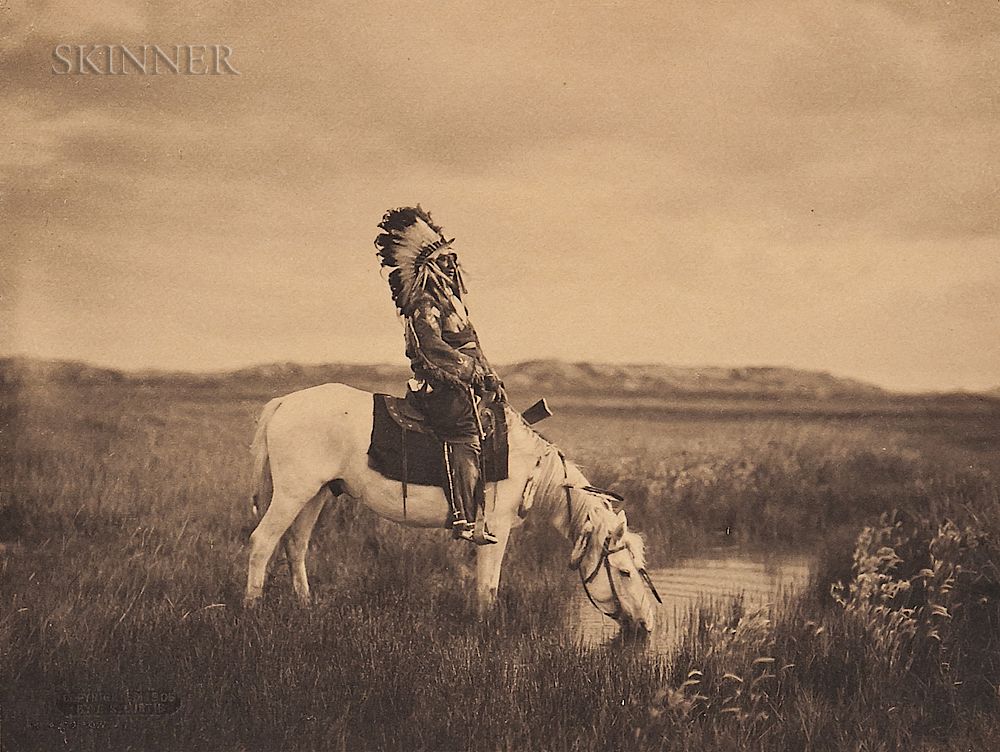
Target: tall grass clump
{"points": [[906, 655], [927, 591]]}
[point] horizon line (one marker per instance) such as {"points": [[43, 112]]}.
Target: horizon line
{"points": [[401, 364]]}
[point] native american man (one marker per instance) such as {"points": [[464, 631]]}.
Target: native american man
{"points": [[450, 372]]}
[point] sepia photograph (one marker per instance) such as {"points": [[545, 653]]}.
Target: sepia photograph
{"points": [[556, 376]]}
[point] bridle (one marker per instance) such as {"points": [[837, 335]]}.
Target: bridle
{"points": [[606, 563], [605, 560]]}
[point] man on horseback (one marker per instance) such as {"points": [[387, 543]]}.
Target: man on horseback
{"points": [[450, 372]]}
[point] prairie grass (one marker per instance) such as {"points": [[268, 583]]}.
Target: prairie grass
{"points": [[123, 519]]}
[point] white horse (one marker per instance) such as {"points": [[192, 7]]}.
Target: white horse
{"points": [[314, 443]]}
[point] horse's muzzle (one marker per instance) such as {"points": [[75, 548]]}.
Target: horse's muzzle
{"points": [[641, 627]]}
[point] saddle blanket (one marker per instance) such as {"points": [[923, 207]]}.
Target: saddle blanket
{"points": [[404, 449]]}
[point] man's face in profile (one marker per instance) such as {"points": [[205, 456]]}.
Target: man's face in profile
{"points": [[449, 265]]}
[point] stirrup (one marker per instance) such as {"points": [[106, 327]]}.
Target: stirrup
{"points": [[464, 534], [484, 539], [481, 534], [460, 526]]}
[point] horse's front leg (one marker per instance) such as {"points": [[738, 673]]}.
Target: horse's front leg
{"points": [[488, 562]]}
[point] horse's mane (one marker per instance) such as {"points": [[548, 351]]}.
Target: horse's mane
{"points": [[549, 493]]}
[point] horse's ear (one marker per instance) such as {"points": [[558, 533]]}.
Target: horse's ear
{"points": [[580, 547], [622, 525]]}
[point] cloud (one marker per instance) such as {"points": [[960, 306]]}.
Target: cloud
{"points": [[735, 182], [28, 22]]}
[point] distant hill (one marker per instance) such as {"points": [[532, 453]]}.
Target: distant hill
{"points": [[530, 377], [675, 381], [20, 370], [278, 376]]}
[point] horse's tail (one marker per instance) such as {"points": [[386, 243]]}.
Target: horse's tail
{"points": [[263, 485]]}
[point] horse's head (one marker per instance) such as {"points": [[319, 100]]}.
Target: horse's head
{"points": [[612, 565]]}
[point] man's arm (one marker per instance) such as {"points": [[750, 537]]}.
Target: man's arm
{"points": [[435, 352]]}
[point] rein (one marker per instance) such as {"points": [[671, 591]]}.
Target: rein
{"points": [[606, 563]]}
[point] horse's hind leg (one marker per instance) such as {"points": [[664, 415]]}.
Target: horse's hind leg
{"points": [[297, 544], [280, 515]]}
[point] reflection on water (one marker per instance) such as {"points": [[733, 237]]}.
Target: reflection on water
{"points": [[715, 578]]}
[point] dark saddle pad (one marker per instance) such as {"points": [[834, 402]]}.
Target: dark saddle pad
{"points": [[404, 448]]}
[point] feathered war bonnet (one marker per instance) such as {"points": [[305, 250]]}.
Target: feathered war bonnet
{"points": [[411, 247]]}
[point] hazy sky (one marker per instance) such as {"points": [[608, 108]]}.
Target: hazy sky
{"points": [[812, 184]]}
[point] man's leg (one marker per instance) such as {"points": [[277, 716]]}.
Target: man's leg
{"points": [[458, 522], [465, 482], [465, 474], [451, 413]]}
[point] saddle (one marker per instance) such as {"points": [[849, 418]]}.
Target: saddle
{"points": [[403, 447]]}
